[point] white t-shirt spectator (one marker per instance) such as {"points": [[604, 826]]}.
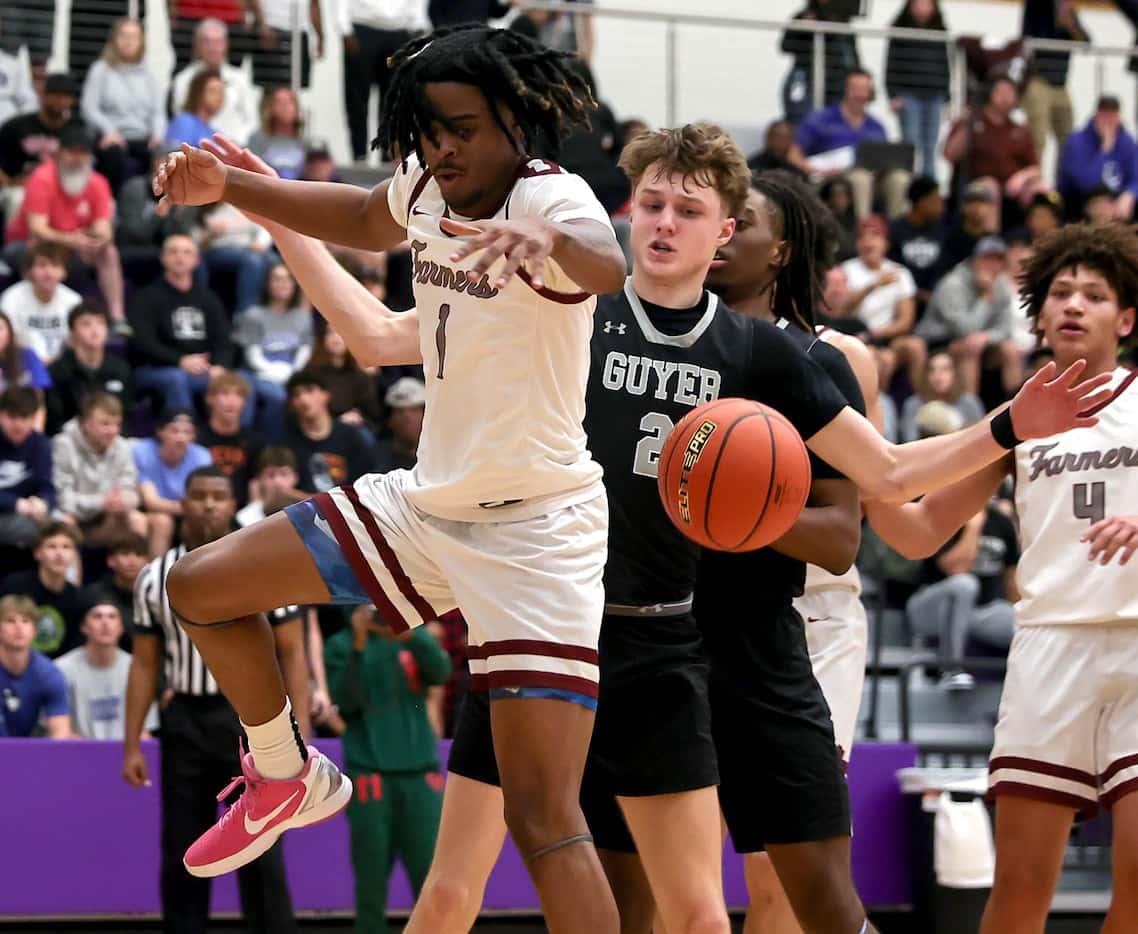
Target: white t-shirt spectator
{"points": [[878, 308], [38, 325], [97, 696]]}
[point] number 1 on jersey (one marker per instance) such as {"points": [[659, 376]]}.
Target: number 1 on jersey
{"points": [[1092, 506], [441, 337]]}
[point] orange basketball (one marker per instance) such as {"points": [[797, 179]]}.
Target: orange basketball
{"points": [[734, 475]]}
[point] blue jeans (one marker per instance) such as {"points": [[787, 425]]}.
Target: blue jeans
{"points": [[920, 125], [176, 388], [248, 266]]}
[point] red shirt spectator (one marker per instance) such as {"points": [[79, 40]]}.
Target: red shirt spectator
{"points": [[44, 194], [228, 11]]}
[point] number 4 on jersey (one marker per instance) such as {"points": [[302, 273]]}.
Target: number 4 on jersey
{"points": [[1089, 501], [441, 338]]}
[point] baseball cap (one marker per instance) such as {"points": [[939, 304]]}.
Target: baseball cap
{"points": [[173, 413], [938, 418], [75, 135], [875, 223], [978, 191], [990, 246], [1051, 200], [60, 83], [405, 393]]}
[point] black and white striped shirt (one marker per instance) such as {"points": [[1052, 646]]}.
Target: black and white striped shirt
{"points": [[186, 671]]}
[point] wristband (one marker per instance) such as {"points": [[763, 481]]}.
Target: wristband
{"points": [[1003, 431]]}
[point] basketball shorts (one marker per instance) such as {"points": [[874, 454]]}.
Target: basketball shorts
{"points": [[652, 734], [781, 779], [837, 634], [1068, 725], [531, 590]]}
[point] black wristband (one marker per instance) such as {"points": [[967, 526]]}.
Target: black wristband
{"points": [[1002, 430]]}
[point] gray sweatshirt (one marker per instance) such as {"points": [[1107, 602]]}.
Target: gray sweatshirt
{"points": [[124, 99], [83, 477], [956, 309], [17, 96]]}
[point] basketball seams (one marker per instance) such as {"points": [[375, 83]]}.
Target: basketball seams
{"points": [[770, 479], [709, 495]]}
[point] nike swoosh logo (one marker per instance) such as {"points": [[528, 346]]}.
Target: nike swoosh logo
{"points": [[816, 619], [254, 827], [420, 212]]}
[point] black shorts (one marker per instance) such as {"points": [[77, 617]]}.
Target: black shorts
{"points": [[781, 778], [652, 734], [653, 730]]}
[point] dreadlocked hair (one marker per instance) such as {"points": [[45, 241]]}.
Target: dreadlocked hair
{"points": [[803, 221], [546, 94], [1111, 251]]}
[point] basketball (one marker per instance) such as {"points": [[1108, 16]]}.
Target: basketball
{"points": [[734, 475]]}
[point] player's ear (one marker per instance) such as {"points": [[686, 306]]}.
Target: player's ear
{"points": [[1125, 323], [726, 232], [781, 251]]}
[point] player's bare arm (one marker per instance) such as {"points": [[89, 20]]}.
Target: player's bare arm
{"points": [[828, 531], [860, 359], [1046, 405], [343, 214], [375, 335], [585, 249], [1117, 535]]}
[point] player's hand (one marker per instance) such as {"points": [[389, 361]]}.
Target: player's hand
{"points": [[1048, 404], [192, 176], [134, 769], [230, 154], [526, 240], [1109, 536]]}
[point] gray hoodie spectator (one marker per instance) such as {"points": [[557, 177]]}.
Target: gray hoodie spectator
{"points": [[123, 99], [958, 308], [91, 460]]}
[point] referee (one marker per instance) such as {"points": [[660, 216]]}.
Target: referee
{"points": [[199, 730]]}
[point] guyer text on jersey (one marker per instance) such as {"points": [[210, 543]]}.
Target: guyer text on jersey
{"points": [[428, 272], [685, 383]]}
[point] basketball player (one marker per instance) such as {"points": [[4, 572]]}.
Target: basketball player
{"points": [[505, 512], [672, 223], [781, 244], [1067, 737]]}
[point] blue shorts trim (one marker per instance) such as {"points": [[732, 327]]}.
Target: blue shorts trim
{"points": [[573, 697], [334, 569]]}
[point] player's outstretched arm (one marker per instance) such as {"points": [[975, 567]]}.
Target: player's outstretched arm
{"points": [[344, 214], [827, 532], [1046, 405], [375, 335], [586, 250]]}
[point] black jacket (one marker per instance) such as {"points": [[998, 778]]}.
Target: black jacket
{"points": [[71, 382], [915, 68], [169, 324]]}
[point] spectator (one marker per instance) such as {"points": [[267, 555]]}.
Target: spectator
{"points": [[163, 463], [140, 230], [978, 218], [126, 557], [231, 243], [237, 117], [96, 675], [85, 367], [1100, 206], [29, 139], [353, 393], [1044, 214], [989, 146], [777, 150], [592, 151], [941, 383], [966, 592], [837, 194], [1020, 251], [1046, 101], [839, 59], [17, 96], [455, 12], [562, 32], [972, 312], [881, 296], [27, 495], [202, 104], [276, 333], [276, 479], [96, 483], [272, 51], [20, 366], [181, 331], [68, 203], [58, 610], [319, 166], [1102, 154], [917, 80], [917, 238], [372, 32], [232, 447], [328, 452], [835, 132], [380, 682], [32, 690], [120, 97], [280, 139], [406, 400], [37, 306]]}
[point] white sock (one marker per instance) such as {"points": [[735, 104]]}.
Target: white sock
{"points": [[278, 751]]}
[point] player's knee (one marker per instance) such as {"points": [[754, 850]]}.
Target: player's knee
{"points": [[443, 904], [536, 819], [1021, 886], [704, 919], [763, 888], [191, 596], [828, 903]]}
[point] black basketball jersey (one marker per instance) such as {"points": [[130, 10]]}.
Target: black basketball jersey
{"points": [[650, 367], [767, 576]]}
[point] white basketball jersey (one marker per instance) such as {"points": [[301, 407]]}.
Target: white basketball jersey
{"points": [[819, 578], [505, 368], [1063, 485]]}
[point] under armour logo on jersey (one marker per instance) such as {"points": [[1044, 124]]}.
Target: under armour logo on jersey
{"points": [[619, 328]]}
